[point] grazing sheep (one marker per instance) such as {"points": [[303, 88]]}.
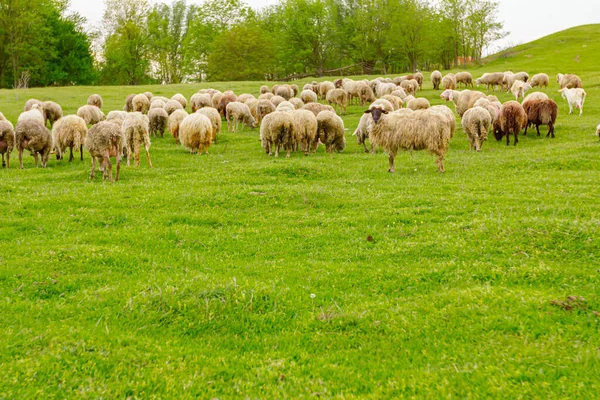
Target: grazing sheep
{"points": [[305, 130], [541, 112], [242, 98], [276, 131], [492, 107], [294, 90], [29, 104], [91, 114], [448, 116], [575, 97], [95, 100], [196, 133], [173, 105], [465, 78], [105, 140], [263, 108], [493, 80], [476, 123], [400, 93], [365, 93], [32, 135], [69, 132], [417, 130], [216, 98], [7, 141], [339, 98], [141, 103], [149, 95], [449, 82], [569, 81], [36, 113], [215, 119], [436, 79], [383, 103], [117, 116], [324, 88], [308, 96], [266, 96], [277, 100], [462, 100], [362, 132], [157, 103], [128, 107], [136, 130], [200, 100], [316, 108], [331, 131], [383, 88], [159, 120], [227, 98], [418, 104], [519, 88], [297, 103], [395, 101], [180, 99], [535, 96], [409, 86], [419, 78], [264, 89], [52, 111], [510, 79], [285, 106], [541, 80], [252, 103], [238, 112], [511, 119], [175, 120]]}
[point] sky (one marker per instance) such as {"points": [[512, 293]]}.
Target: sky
{"points": [[526, 20]]}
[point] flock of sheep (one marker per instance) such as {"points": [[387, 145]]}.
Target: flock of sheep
{"points": [[293, 120]]}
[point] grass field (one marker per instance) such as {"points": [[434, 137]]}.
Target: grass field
{"points": [[236, 275]]}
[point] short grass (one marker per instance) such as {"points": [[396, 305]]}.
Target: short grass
{"points": [[236, 275]]}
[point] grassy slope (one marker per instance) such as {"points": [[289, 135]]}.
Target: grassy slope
{"points": [[195, 278]]}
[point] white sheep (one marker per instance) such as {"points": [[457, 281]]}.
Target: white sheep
{"points": [[575, 97], [215, 119], [462, 100], [331, 131], [541, 80], [476, 123], [196, 132], [418, 104], [519, 88], [276, 132], [305, 130], [140, 103], [308, 96], [69, 132], [436, 79], [35, 113], [449, 82], [136, 129], [238, 112]]}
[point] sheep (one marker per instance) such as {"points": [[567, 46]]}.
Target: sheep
{"points": [[266, 96], [448, 116], [297, 103], [29, 104], [449, 82], [105, 140], [140, 103], [32, 135], [7, 140], [276, 100], [308, 96], [493, 80], [252, 103], [492, 107], [215, 119], [157, 103], [200, 100], [242, 98], [362, 132], [316, 108], [172, 105], [569, 81], [408, 98], [263, 108], [476, 123], [419, 78], [227, 98], [541, 80], [575, 97], [383, 88], [541, 112], [128, 107], [304, 130], [535, 96], [400, 93], [462, 100], [52, 111], [519, 88], [216, 98], [383, 103], [436, 79], [95, 100], [418, 104], [339, 98], [324, 88], [510, 79], [276, 132], [285, 106], [117, 117], [264, 89], [284, 91], [175, 120], [36, 113], [136, 131], [394, 101], [365, 93], [331, 131], [417, 130], [196, 133], [159, 120], [149, 95], [465, 78], [294, 90], [237, 112], [180, 99], [91, 114], [511, 119], [409, 86], [69, 132]]}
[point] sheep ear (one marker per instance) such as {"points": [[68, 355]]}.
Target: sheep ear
{"points": [[367, 112], [385, 112]]}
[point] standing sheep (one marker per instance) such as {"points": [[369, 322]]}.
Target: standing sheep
{"points": [[511, 120], [172, 105], [394, 101], [227, 98], [200, 100], [52, 111], [575, 97], [339, 98], [324, 88], [436, 79], [541, 80], [304, 130], [128, 107], [149, 95], [308, 96], [541, 112], [95, 100], [69, 132], [140, 103], [215, 119], [263, 108], [29, 104], [462, 100], [493, 80], [195, 133], [174, 122], [105, 140], [492, 107], [35, 113], [331, 131], [476, 123], [297, 103], [216, 98], [519, 88], [276, 132], [237, 112], [180, 99], [362, 132], [449, 82], [569, 81], [418, 104], [465, 78], [242, 98], [7, 141], [159, 120], [136, 130], [33, 136], [91, 114], [419, 78], [264, 89]]}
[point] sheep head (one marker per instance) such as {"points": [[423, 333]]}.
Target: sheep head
{"points": [[447, 95], [376, 113]]}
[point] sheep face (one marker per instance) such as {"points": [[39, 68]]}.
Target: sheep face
{"points": [[447, 95], [376, 113]]}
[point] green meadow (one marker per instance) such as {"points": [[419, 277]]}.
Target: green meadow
{"points": [[239, 275]]}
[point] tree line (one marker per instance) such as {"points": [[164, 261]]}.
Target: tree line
{"points": [[226, 40]]}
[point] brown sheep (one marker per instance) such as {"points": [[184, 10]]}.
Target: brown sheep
{"points": [[33, 136], [7, 141], [511, 119], [96, 100], [159, 120], [541, 112], [227, 98]]}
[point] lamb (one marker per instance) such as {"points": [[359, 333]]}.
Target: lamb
{"points": [[159, 120], [105, 140], [339, 98], [511, 120], [541, 80], [519, 88], [493, 80], [175, 120], [462, 100], [136, 131], [569, 81], [215, 119], [7, 140], [52, 111], [264, 89], [308, 96], [200, 100], [362, 132], [237, 112], [465, 78], [476, 123], [575, 97], [297, 103], [535, 96], [419, 130], [492, 107], [91, 114], [32, 135], [36, 113], [436, 79], [276, 132], [95, 100], [225, 99], [449, 82], [304, 130], [196, 133], [331, 131], [263, 108], [316, 108], [128, 107], [140, 103], [324, 88], [541, 112], [418, 104], [419, 78], [394, 101], [69, 132]]}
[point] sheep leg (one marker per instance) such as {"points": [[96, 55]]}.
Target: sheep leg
{"points": [[35, 157], [3, 163], [147, 148], [45, 156], [118, 167], [277, 150], [526, 127], [129, 151], [516, 137], [81, 152], [391, 159], [93, 168], [537, 128], [21, 158], [107, 166], [550, 130], [71, 154], [570, 109], [365, 146], [136, 155], [440, 162]]}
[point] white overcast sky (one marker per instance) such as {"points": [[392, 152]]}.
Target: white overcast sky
{"points": [[526, 20]]}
